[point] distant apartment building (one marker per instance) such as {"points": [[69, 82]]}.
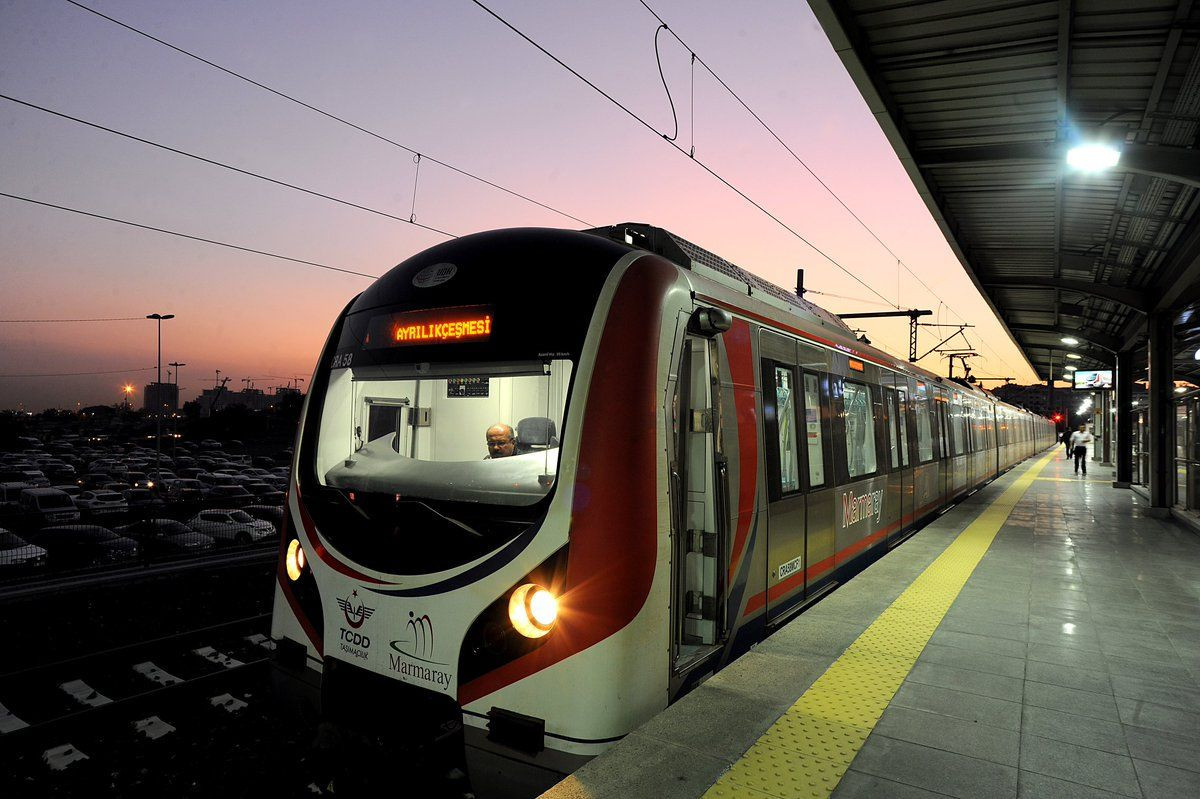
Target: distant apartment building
{"points": [[254, 399], [160, 398]]}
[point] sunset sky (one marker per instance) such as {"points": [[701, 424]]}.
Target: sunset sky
{"points": [[448, 80]]}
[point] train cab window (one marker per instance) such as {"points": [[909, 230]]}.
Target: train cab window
{"points": [[813, 432], [859, 419], [902, 419], [893, 443], [785, 417], [924, 426], [425, 433]]}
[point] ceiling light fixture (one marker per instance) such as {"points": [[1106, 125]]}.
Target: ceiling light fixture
{"points": [[1093, 157]]}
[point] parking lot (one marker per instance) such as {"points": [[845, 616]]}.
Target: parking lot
{"points": [[79, 505]]}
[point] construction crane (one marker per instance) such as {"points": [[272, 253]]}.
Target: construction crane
{"points": [[218, 388]]}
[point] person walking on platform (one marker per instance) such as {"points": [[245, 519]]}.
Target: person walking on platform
{"points": [[1081, 439], [1066, 442]]}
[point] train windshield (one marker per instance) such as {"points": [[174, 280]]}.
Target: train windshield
{"points": [[458, 432]]}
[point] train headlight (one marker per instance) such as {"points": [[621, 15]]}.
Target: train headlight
{"points": [[532, 610], [294, 560]]}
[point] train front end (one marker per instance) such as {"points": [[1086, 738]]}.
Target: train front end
{"points": [[428, 580]]}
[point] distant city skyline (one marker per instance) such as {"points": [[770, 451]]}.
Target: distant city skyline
{"points": [[451, 82]]}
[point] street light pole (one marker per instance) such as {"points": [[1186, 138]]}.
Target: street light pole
{"points": [[158, 317], [175, 426]]}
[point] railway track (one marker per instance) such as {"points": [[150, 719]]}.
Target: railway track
{"points": [[111, 709]]}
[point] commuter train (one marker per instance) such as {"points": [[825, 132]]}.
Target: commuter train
{"points": [[698, 455]]}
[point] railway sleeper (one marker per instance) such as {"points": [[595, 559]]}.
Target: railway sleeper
{"points": [[84, 694]]}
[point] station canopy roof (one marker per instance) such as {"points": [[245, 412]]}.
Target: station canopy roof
{"points": [[982, 99]]}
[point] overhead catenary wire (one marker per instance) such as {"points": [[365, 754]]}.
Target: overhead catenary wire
{"points": [[329, 115], [230, 167], [696, 58], [676, 146], [82, 374], [94, 319], [216, 242]]}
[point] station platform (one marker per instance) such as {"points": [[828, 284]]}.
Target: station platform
{"points": [[1040, 639]]}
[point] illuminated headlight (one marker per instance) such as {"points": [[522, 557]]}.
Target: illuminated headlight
{"points": [[294, 560], [532, 610]]}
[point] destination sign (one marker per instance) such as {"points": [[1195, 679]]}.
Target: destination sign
{"points": [[459, 325]]}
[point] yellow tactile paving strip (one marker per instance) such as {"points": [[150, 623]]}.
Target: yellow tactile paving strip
{"points": [[1075, 479], [806, 752]]}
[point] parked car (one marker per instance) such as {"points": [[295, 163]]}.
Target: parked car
{"points": [[18, 555], [69, 488], [59, 472], [268, 513], [214, 479], [98, 503], [48, 506], [231, 526], [94, 480], [143, 501], [230, 495], [184, 490], [166, 536], [79, 545], [10, 493], [35, 478]]}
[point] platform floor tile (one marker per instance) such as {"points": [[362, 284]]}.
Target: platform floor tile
{"points": [[853, 694]]}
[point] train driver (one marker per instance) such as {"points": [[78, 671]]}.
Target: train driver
{"points": [[501, 441]]}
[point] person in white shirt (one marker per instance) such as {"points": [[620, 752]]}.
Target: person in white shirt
{"points": [[1081, 439]]}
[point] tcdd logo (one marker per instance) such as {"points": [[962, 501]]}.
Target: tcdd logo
{"points": [[356, 639], [355, 614]]}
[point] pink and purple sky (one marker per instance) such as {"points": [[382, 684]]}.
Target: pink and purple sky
{"points": [[450, 81]]}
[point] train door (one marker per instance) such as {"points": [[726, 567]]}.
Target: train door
{"points": [[700, 510], [941, 410], [786, 502], [900, 482]]}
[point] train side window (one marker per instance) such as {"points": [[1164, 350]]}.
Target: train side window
{"points": [[902, 419], [785, 424], [892, 416], [958, 426], [924, 426], [813, 432], [859, 421]]}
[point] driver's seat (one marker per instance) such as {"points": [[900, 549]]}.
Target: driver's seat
{"points": [[536, 433]]}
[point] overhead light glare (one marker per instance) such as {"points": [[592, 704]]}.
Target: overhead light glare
{"points": [[1094, 157], [1071, 340], [1070, 367], [1198, 355], [1073, 356]]}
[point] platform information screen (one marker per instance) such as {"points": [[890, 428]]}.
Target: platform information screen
{"points": [[1101, 379]]}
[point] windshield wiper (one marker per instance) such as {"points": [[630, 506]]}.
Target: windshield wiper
{"points": [[461, 525]]}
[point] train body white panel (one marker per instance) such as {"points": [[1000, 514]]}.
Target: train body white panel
{"points": [[684, 515]]}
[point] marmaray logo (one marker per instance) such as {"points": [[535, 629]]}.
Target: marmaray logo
{"points": [[355, 614], [418, 646], [419, 643]]}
